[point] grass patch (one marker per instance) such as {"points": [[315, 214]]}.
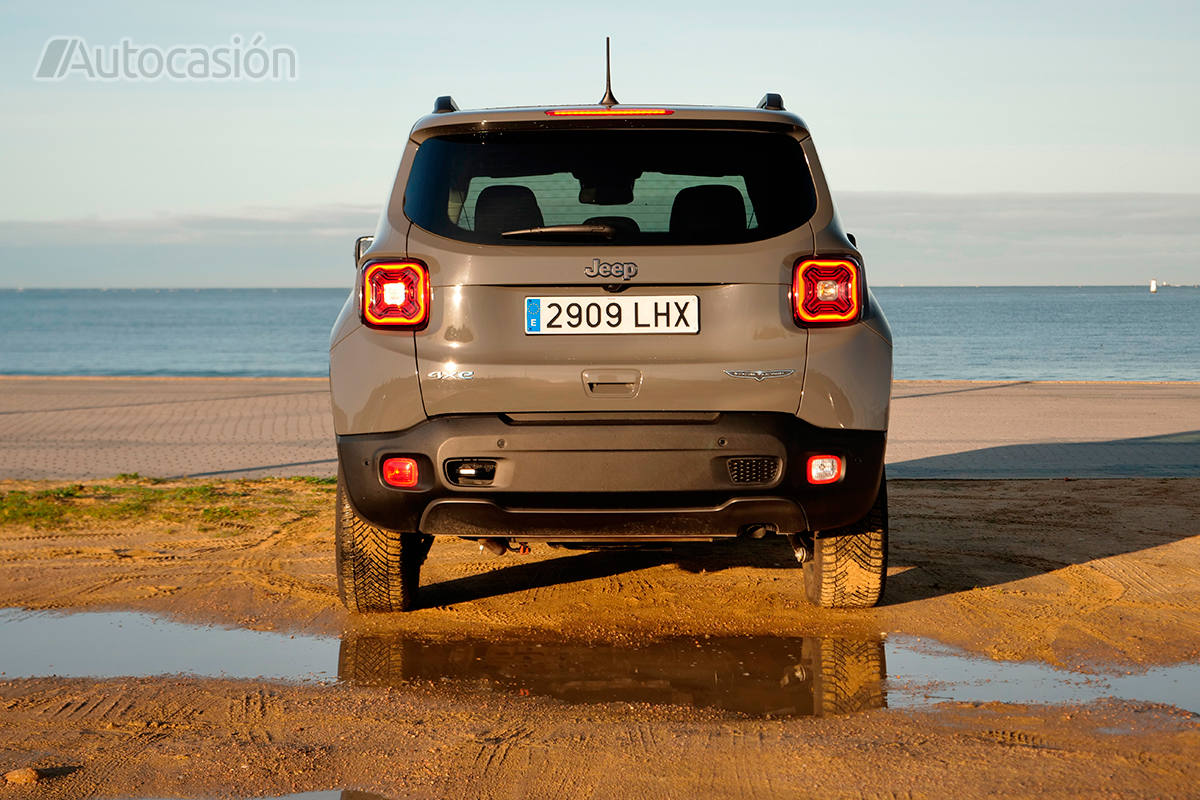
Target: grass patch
{"points": [[228, 514], [204, 493], [30, 508], [60, 493], [231, 504], [136, 477]]}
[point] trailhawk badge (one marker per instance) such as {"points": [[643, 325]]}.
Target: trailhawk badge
{"points": [[759, 375]]}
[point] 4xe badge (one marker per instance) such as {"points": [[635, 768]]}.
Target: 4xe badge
{"points": [[759, 375], [616, 269], [452, 374]]}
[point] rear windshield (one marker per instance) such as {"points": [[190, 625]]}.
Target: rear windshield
{"points": [[616, 186]]}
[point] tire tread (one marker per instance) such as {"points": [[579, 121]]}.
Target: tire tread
{"points": [[848, 567], [378, 570]]}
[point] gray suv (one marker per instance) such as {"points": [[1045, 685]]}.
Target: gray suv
{"points": [[610, 325]]}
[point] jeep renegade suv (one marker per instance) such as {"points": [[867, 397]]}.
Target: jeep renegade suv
{"points": [[610, 325]]}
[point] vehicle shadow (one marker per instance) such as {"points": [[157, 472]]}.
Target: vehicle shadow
{"points": [[899, 389], [1174, 455], [948, 535], [525, 575], [573, 567]]}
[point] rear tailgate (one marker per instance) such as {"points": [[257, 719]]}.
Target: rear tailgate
{"points": [[476, 356], [609, 269]]}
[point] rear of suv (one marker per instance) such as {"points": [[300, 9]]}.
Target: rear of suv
{"points": [[610, 325]]}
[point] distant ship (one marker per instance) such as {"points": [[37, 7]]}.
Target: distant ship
{"points": [[1153, 286]]}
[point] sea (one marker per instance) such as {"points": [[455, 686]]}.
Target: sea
{"points": [[1086, 333]]}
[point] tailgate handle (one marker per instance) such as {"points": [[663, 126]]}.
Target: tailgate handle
{"points": [[612, 382]]}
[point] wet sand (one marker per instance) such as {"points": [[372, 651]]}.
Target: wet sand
{"points": [[1097, 576], [189, 738]]}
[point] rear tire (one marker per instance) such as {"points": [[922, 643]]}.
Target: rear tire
{"points": [[378, 570], [848, 567]]}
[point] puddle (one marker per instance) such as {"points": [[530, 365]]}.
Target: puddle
{"points": [[129, 644], [923, 672], [760, 676]]}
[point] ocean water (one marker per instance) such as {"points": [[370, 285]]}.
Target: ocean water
{"points": [[234, 332], [988, 333], [1045, 333]]}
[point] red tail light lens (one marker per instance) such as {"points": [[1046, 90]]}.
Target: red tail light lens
{"points": [[825, 292], [396, 294], [400, 472], [825, 469]]}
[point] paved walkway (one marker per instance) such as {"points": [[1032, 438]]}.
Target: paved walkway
{"points": [[69, 428], [960, 429], [165, 427]]}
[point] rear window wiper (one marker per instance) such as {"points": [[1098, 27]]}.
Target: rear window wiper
{"points": [[550, 231]]}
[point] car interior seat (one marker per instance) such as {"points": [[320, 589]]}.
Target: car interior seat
{"points": [[708, 212], [506, 208]]}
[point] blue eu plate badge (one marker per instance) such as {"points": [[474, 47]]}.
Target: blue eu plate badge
{"points": [[533, 314]]}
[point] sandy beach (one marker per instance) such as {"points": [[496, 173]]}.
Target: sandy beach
{"points": [[568, 673]]}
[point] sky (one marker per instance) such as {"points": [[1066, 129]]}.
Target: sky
{"points": [[1023, 142]]}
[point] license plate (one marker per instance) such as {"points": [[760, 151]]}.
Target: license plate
{"points": [[662, 314]]}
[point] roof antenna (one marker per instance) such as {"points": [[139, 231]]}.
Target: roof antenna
{"points": [[608, 101]]}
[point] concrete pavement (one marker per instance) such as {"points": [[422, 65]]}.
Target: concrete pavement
{"points": [[68, 428], [961, 429], [165, 427]]}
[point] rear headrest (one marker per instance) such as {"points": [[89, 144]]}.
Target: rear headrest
{"points": [[708, 212], [506, 208]]}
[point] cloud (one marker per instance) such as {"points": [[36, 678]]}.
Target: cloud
{"points": [[1025, 239], [261, 247], [911, 239]]}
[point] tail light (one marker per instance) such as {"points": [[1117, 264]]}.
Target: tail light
{"points": [[396, 294], [825, 469], [401, 472], [826, 292]]}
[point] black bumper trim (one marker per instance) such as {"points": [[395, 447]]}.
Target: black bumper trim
{"points": [[557, 480], [480, 518]]}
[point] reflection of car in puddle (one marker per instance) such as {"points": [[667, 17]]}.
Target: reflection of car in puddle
{"points": [[756, 676]]}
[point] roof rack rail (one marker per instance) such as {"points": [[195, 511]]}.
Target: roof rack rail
{"points": [[771, 102], [444, 105]]}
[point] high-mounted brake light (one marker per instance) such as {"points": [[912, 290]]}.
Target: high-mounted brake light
{"points": [[609, 112], [396, 294], [826, 292]]}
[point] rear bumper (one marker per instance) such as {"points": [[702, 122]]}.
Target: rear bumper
{"points": [[575, 477]]}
